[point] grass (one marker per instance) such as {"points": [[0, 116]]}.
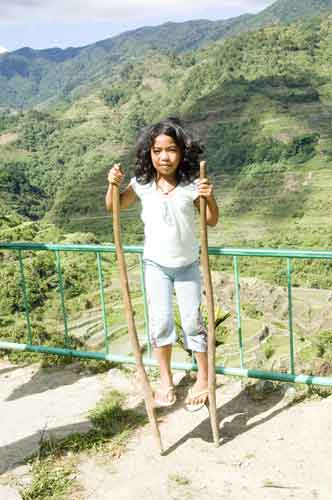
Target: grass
{"points": [[251, 310], [54, 467], [269, 349], [50, 481], [111, 427], [179, 479]]}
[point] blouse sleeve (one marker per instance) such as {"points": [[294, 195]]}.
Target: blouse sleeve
{"points": [[141, 190], [134, 184], [193, 190]]}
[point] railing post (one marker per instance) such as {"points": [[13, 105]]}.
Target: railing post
{"points": [[290, 315], [238, 308], [25, 297], [62, 295], [102, 300]]}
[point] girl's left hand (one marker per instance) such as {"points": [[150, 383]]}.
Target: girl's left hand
{"points": [[204, 188]]}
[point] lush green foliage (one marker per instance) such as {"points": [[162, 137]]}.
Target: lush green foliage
{"points": [[260, 102], [281, 71], [324, 344], [8, 120], [18, 192], [29, 77]]}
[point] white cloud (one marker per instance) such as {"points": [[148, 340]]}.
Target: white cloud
{"points": [[3, 50], [76, 11]]}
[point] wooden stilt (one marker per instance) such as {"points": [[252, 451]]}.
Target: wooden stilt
{"points": [[147, 391], [210, 311]]}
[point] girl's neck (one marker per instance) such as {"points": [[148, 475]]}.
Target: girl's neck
{"points": [[167, 184], [166, 180]]}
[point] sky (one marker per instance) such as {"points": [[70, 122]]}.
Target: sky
{"points": [[43, 24]]}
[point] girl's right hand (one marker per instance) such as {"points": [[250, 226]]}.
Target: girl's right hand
{"points": [[115, 175]]}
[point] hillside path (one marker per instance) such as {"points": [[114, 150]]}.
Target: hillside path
{"points": [[269, 449]]}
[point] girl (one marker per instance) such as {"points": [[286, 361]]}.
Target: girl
{"points": [[166, 181]]}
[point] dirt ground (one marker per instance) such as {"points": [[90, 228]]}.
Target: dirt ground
{"points": [[269, 449]]}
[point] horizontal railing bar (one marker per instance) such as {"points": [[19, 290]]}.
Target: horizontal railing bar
{"points": [[138, 249], [270, 252], [69, 247], [116, 358]]}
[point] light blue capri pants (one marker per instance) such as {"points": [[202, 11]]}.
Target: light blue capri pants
{"points": [[160, 282]]}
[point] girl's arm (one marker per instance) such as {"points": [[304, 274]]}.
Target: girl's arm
{"points": [[127, 197], [205, 189]]}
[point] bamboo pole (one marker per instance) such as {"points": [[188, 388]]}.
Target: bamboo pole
{"points": [[210, 311], [145, 384]]}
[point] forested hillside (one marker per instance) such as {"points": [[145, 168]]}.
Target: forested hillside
{"points": [[30, 77], [261, 102]]}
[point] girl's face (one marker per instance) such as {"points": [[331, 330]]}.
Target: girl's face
{"points": [[165, 155]]}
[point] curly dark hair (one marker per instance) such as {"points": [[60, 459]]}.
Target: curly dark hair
{"points": [[188, 169]]}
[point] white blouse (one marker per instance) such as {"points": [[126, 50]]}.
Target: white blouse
{"points": [[169, 223]]}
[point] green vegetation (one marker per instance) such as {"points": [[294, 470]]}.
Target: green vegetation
{"points": [[112, 426], [261, 102], [81, 288], [54, 468], [221, 331], [269, 349], [324, 345], [179, 479], [50, 481], [251, 310], [53, 76], [9, 120]]}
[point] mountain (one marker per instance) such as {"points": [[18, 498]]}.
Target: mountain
{"points": [[285, 11], [261, 102], [30, 77]]}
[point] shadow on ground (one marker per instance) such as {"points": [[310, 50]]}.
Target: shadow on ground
{"points": [[44, 380], [17, 452], [11, 369], [237, 416], [234, 418]]}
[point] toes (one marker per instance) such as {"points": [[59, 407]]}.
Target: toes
{"points": [[164, 397], [197, 401]]}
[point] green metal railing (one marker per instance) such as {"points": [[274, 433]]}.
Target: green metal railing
{"points": [[99, 250]]}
